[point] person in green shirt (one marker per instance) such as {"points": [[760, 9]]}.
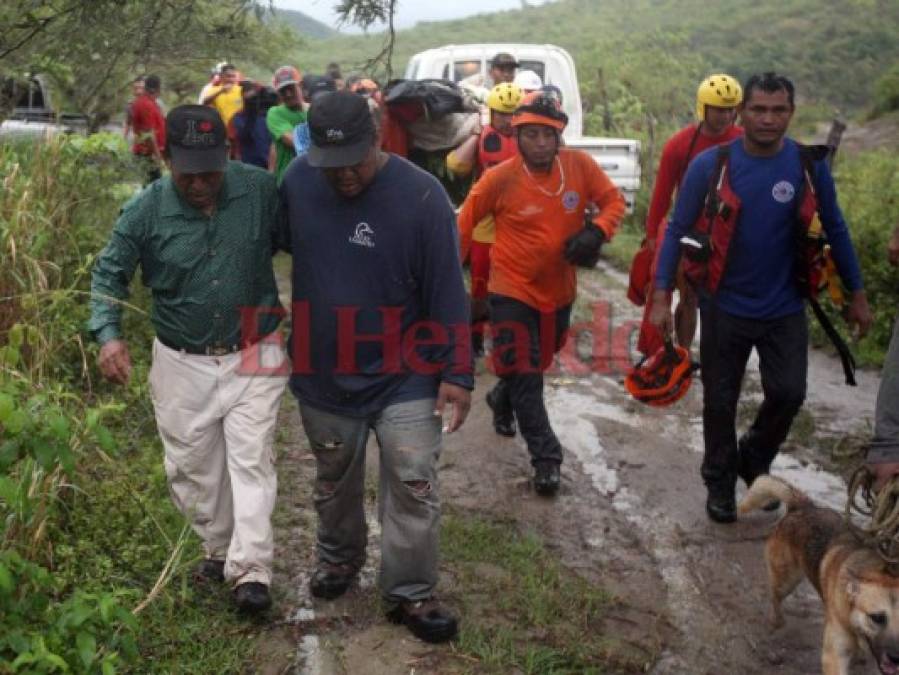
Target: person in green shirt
{"points": [[281, 119], [204, 237]]}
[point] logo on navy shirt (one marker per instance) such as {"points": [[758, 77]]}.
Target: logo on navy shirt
{"points": [[363, 236], [783, 191]]}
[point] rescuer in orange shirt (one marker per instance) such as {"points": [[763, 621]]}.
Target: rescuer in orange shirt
{"points": [[538, 201]]}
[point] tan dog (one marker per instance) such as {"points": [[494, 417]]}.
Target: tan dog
{"points": [[861, 599]]}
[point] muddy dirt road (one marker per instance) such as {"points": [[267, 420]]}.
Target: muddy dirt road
{"points": [[691, 595]]}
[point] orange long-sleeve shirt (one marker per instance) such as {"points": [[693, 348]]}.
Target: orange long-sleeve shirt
{"points": [[532, 226]]}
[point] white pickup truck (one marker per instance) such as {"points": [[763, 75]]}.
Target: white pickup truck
{"points": [[34, 113], [619, 157]]}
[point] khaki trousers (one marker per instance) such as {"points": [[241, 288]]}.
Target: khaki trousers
{"points": [[216, 416]]}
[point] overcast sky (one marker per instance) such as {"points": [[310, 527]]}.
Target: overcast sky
{"points": [[409, 12]]}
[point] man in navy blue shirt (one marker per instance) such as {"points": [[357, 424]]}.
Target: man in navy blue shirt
{"points": [[380, 342], [756, 302]]}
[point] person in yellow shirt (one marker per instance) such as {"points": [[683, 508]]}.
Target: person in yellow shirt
{"points": [[226, 97]]}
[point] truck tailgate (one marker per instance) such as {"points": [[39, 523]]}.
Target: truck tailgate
{"points": [[618, 157]]}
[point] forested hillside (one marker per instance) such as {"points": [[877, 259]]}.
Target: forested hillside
{"points": [[653, 52], [303, 24]]}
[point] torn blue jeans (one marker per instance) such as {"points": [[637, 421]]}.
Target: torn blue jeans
{"points": [[409, 438]]}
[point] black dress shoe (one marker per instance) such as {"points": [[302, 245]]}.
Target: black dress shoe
{"points": [[547, 478], [252, 597], [209, 570], [330, 581], [428, 620], [721, 505], [503, 421]]}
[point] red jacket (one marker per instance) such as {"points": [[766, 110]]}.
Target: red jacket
{"points": [[676, 155], [146, 118]]}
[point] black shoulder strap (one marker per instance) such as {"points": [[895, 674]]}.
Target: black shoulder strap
{"points": [[721, 160], [808, 156], [682, 171]]}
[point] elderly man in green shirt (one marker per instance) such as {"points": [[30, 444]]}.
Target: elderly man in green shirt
{"points": [[204, 238]]}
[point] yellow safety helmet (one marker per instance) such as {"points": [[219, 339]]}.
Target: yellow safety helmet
{"points": [[721, 91], [504, 97]]}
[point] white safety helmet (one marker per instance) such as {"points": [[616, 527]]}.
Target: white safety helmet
{"points": [[528, 80]]}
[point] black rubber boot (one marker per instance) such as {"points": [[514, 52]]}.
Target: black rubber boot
{"points": [[721, 505], [503, 418], [547, 478]]}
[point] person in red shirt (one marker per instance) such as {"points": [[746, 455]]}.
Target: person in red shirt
{"points": [[537, 199], [494, 144], [716, 108], [148, 127]]}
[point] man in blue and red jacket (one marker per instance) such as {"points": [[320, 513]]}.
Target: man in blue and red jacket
{"points": [[763, 205]]}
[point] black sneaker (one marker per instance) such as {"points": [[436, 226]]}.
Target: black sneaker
{"points": [[547, 478], [428, 620], [503, 421], [252, 597], [721, 505], [330, 581]]}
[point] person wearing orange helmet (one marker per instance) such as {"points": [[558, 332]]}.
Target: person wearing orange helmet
{"points": [[537, 199], [492, 145], [716, 109]]}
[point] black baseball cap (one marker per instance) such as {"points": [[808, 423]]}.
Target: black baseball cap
{"points": [[503, 59], [318, 84], [341, 129], [195, 139]]}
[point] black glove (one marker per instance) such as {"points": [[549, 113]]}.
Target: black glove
{"points": [[583, 248]]}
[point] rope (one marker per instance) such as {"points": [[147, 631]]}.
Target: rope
{"points": [[880, 510]]}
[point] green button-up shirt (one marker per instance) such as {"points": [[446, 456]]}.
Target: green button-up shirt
{"points": [[204, 272]]}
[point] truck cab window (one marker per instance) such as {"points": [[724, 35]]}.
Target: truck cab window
{"points": [[463, 69]]}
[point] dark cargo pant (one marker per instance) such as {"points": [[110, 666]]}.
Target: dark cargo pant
{"points": [[409, 436], [726, 342], [524, 341]]}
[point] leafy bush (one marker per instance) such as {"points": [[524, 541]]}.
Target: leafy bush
{"points": [[85, 633], [86, 524], [868, 186], [58, 200]]}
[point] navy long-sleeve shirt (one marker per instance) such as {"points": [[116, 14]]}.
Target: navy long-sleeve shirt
{"points": [[371, 274], [759, 280]]}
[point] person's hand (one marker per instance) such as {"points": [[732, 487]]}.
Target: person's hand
{"points": [[859, 314], [893, 248], [660, 314], [459, 398], [650, 243], [115, 362], [583, 248], [883, 472]]}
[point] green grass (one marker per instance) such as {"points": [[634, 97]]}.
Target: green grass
{"points": [[525, 612], [622, 248], [118, 531]]}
